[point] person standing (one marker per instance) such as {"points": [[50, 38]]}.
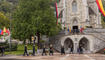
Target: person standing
{"points": [[33, 39], [33, 50], [51, 50], [62, 50], [25, 50], [44, 51], [80, 50], [2, 50]]}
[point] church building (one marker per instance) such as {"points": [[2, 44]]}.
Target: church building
{"points": [[77, 14]]}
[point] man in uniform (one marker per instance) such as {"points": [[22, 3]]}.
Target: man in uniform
{"points": [[33, 39], [25, 50]]}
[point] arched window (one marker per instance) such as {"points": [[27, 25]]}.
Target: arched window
{"points": [[74, 6]]}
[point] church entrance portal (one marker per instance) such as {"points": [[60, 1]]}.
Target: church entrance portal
{"points": [[75, 29], [85, 44], [68, 44]]}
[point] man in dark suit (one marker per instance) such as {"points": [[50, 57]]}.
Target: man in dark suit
{"points": [[25, 50], [62, 50]]}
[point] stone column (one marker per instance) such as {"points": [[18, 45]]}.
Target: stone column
{"points": [[75, 47], [75, 44]]}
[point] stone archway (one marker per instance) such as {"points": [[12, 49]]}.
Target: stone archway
{"points": [[67, 44], [84, 42]]}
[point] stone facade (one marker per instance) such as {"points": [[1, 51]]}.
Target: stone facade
{"points": [[77, 14], [87, 14]]}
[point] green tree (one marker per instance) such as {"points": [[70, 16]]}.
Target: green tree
{"points": [[4, 21], [34, 17]]}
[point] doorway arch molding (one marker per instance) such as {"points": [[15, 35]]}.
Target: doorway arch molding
{"points": [[63, 39]]}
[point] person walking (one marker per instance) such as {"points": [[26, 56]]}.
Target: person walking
{"points": [[51, 50], [44, 51], [71, 50], [62, 50], [25, 51]]}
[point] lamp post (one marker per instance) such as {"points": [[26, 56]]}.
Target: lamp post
{"points": [[10, 34]]}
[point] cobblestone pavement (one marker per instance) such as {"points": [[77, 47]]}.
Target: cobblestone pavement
{"points": [[58, 57]]}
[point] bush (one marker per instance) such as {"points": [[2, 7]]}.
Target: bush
{"points": [[7, 48]]}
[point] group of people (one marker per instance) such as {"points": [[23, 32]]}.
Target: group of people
{"points": [[51, 50], [44, 50], [79, 50]]}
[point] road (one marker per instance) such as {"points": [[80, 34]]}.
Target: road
{"points": [[58, 57]]}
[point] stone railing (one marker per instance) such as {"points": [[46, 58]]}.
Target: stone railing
{"points": [[100, 38], [96, 32]]}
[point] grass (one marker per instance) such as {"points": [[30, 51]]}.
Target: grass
{"points": [[20, 50]]}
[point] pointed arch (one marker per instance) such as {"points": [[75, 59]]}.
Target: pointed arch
{"points": [[68, 43], [84, 42]]}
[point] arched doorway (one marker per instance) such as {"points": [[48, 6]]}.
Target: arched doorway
{"points": [[68, 43], [85, 44], [75, 26]]}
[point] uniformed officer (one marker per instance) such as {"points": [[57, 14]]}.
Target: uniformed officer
{"points": [[33, 50], [25, 50], [44, 51], [51, 50], [33, 39]]}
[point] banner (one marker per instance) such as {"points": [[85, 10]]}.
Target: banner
{"points": [[56, 11], [0, 31], [100, 6]]}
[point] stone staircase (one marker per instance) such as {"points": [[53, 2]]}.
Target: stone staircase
{"points": [[55, 40], [99, 34]]}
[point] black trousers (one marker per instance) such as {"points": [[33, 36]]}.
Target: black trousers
{"points": [[44, 53], [51, 53], [33, 51], [2, 52], [26, 53]]}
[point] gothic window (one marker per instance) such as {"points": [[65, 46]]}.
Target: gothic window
{"points": [[74, 6]]}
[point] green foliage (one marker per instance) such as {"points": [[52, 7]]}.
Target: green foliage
{"points": [[6, 45], [4, 21], [6, 6], [20, 50], [34, 16]]}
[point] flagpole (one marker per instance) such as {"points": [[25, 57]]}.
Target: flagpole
{"points": [[10, 35], [63, 13]]}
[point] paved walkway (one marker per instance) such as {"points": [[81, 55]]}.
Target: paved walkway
{"points": [[58, 57]]}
